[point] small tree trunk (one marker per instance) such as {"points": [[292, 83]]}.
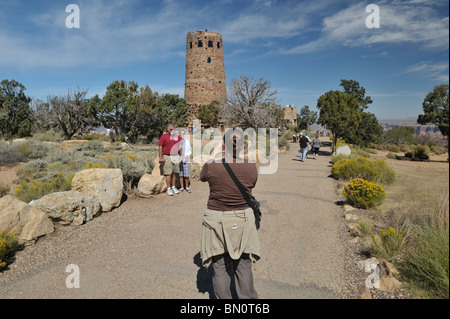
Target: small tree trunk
{"points": [[333, 151]]}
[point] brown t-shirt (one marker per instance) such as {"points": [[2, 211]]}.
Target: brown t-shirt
{"points": [[223, 192]]}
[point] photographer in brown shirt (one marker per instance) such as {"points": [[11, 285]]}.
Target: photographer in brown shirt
{"points": [[229, 235]]}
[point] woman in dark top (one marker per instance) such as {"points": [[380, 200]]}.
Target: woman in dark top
{"points": [[229, 235]]}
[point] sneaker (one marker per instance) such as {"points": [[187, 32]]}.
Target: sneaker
{"points": [[181, 189], [169, 191], [188, 190], [175, 190]]}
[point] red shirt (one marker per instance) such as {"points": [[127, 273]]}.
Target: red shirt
{"points": [[167, 142]]}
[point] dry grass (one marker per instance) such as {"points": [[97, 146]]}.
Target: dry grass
{"points": [[417, 183], [418, 204]]}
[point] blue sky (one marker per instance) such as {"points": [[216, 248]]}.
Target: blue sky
{"points": [[304, 48]]}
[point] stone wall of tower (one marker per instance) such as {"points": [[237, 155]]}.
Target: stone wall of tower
{"points": [[205, 70]]}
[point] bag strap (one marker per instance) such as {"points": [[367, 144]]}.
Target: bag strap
{"points": [[238, 184]]}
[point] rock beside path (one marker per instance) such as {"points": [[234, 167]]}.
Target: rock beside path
{"points": [[69, 207], [105, 184], [26, 221]]}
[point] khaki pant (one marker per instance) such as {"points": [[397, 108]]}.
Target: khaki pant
{"points": [[171, 164]]}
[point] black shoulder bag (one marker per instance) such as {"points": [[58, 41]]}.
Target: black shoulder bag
{"points": [[252, 202]]}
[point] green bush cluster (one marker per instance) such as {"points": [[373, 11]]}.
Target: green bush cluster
{"points": [[419, 152], [9, 155], [370, 170], [28, 191], [364, 194]]}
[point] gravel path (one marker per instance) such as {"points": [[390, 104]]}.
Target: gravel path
{"points": [[149, 248]]}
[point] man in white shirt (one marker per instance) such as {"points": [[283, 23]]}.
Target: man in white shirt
{"points": [[185, 164]]}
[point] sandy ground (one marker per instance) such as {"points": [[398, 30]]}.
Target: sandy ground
{"points": [[149, 247]]}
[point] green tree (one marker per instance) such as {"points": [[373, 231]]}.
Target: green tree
{"points": [[16, 115], [112, 110], [118, 109], [209, 114], [435, 107], [368, 131], [340, 113], [306, 118], [353, 88], [399, 135]]}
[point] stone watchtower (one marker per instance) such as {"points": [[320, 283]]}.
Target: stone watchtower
{"points": [[205, 70]]}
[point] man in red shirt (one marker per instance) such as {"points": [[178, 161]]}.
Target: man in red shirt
{"points": [[169, 149]]}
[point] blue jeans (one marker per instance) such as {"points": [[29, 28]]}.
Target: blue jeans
{"points": [[303, 152]]}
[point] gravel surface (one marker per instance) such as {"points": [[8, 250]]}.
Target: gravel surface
{"points": [[149, 247]]}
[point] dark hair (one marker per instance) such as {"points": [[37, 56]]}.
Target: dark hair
{"points": [[237, 141]]}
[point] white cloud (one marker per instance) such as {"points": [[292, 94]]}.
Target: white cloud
{"points": [[399, 23], [435, 71], [110, 33]]}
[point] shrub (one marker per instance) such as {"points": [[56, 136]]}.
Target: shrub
{"points": [[361, 167], [391, 156], [50, 136], [3, 189], [364, 194], [2, 253], [132, 166], [33, 149], [9, 155], [393, 148], [283, 143], [425, 264], [388, 244], [336, 158], [438, 150], [28, 191], [418, 153], [8, 243]]}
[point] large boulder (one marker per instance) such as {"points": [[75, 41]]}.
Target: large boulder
{"points": [[71, 207], [26, 221], [151, 185], [154, 183], [105, 184], [344, 150]]}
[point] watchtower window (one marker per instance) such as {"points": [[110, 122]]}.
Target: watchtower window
{"points": [[200, 43], [209, 60], [218, 45], [210, 44], [190, 44]]}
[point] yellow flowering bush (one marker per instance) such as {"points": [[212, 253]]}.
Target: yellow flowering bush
{"points": [[374, 171], [2, 253], [8, 242], [388, 244], [364, 194]]}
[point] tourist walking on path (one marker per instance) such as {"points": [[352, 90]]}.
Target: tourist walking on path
{"points": [[169, 149], [304, 141], [229, 236], [316, 146], [185, 163]]}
